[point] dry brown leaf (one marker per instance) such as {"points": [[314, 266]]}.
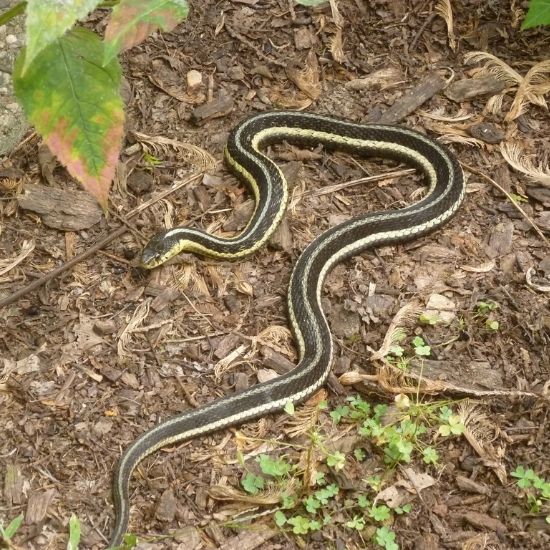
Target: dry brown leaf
{"points": [[404, 317], [8, 264], [494, 66], [439, 115], [307, 79], [159, 145], [336, 44], [480, 432], [305, 416], [518, 160], [139, 315], [444, 9], [531, 88]]}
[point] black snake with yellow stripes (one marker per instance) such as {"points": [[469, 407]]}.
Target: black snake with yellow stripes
{"points": [[307, 320]]}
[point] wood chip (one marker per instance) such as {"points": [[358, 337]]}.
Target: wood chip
{"points": [[483, 521], [37, 507], [474, 87], [215, 109], [249, 540], [13, 485], [424, 90], [166, 508], [467, 484], [500, 240], [276, 361], [65, 209]]}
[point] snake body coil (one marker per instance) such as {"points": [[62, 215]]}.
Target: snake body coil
{"points": [[308, 323]]}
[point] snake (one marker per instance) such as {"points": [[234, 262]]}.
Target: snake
{"points": [[246, 157]]}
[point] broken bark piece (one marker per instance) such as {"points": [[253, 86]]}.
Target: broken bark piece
{"points": [[474, 87], [500, 240], [13, 485], [424, 90], [282, 237], [65, 209], [215, 109], [472, 486], [276, 361], [166, 509], [37, 507], [240, 216], [483, 521]]}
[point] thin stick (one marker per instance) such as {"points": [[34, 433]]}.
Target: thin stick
{"points": [[509, 197], [95, 247]]}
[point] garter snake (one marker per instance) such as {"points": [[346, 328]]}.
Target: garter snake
{"points": [[307, 320]]}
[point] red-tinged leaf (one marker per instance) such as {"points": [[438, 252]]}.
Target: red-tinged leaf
{"points": [[132, 21], [75, 105], [48, 20]]}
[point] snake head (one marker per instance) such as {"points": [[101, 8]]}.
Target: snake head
{"points": [[161, 248]]}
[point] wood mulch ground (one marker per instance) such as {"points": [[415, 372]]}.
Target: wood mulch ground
{"points": [[104, 351]]}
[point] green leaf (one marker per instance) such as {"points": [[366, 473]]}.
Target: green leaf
{"points": [[403, 509], [288, 501], [336, 460], [385, 538], [445, 413], [538, 14], [12, 527], [289, 408], [430, 456], [363, 501], [326, 493], [12, 13], [130, 541], [273, 467], [49, 20], [339, 412], [359, 454], [76, 107], [418, 341], [132, 21], [374, 482], [428, 318], [280, 518], [312, 504], [357, 523], [300, 525], [396, 350], [74, 533], [423, 351], [252, 483], [380, 513]]}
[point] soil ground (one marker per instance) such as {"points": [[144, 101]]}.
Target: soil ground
{"points": [[105, 351]]}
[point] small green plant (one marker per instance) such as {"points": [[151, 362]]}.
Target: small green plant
{"points": [[486, 311], [7, 533], [485, 308], [310, 495], [451, 424], [428, 319], [536, 490], [385, 538], [421, 349], [518, 198]]}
